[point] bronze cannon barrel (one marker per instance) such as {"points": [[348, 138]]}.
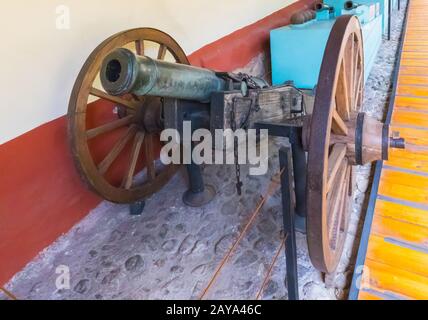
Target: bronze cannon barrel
{"points": [[124, 72]]}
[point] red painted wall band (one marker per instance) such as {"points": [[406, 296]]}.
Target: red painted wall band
{"points": [[41, 194]]}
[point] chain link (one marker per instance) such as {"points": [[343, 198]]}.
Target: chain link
{"points": [[233, 125], [252, 84]]}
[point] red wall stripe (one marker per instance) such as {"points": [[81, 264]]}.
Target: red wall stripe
{"points": [[41, 194]]}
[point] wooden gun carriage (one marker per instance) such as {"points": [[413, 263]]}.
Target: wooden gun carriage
{"points": [[116, 144]]}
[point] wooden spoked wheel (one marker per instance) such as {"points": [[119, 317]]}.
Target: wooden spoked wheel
{"points": [[115, 140], [330, 173]]}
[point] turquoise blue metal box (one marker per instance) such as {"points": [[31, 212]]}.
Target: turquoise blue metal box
{"points": [[298, 49]]}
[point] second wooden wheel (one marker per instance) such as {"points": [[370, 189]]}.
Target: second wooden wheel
{"points": [[114, 138], [330, 183]]}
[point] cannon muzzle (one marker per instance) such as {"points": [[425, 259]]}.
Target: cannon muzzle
{"points": [[350, 5], [124, 72], [321, 7]]}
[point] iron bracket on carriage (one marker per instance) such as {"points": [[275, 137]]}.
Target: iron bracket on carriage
{"points": [[319, 67]]}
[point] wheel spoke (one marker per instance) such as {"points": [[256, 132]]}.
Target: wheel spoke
{"points": [[116, 150], [342, 93], [338, 125], [139, 47], [356, 77], [334, 161], [162, 52], [342, 214], [102, 95], [149, 157], [352, 72], [95, 132], [335, 203], [345, 213], [129, 176], [352, 180], [358, 89], [98, 170]]}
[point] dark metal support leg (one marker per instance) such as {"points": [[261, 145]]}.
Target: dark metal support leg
{"points": [[137, 208], [198, 194], [196, 180], [299, 174], [389, 18], [299, 171], [293, 131], [285, 156]]}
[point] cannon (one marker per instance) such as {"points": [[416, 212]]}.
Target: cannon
{"points": [[139, 82]]}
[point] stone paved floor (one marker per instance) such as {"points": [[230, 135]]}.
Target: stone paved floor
{"points": [[171, 251]]}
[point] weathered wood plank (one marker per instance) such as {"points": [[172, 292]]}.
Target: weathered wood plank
{"points": [[401, 212], [408, 164], [395, 282], [418, 91], [404, 193], [414, 63], [397, 256], [400, 230], [419, 119], [397, 178], [413, 79], [364, 295], [420, 104], [416, 136], [400, 153], [413, 70]]}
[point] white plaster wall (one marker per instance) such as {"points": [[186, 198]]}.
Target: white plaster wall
{"points": [[39, 63]]}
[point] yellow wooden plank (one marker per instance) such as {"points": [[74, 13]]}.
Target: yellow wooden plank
{"points": [[415, 48], [412, 42], [415, 137], [420, 104], [405, 117], [416, 38], [400, 230], [413, 79], [414, 63], [365, 296], [397, 256], [401, 212], [403, 192], [411, 28], [416, 31], [404, 186], [407, 154], [409, 70], [398, 178], [393, 281], [418, 91], [409, 164]]}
